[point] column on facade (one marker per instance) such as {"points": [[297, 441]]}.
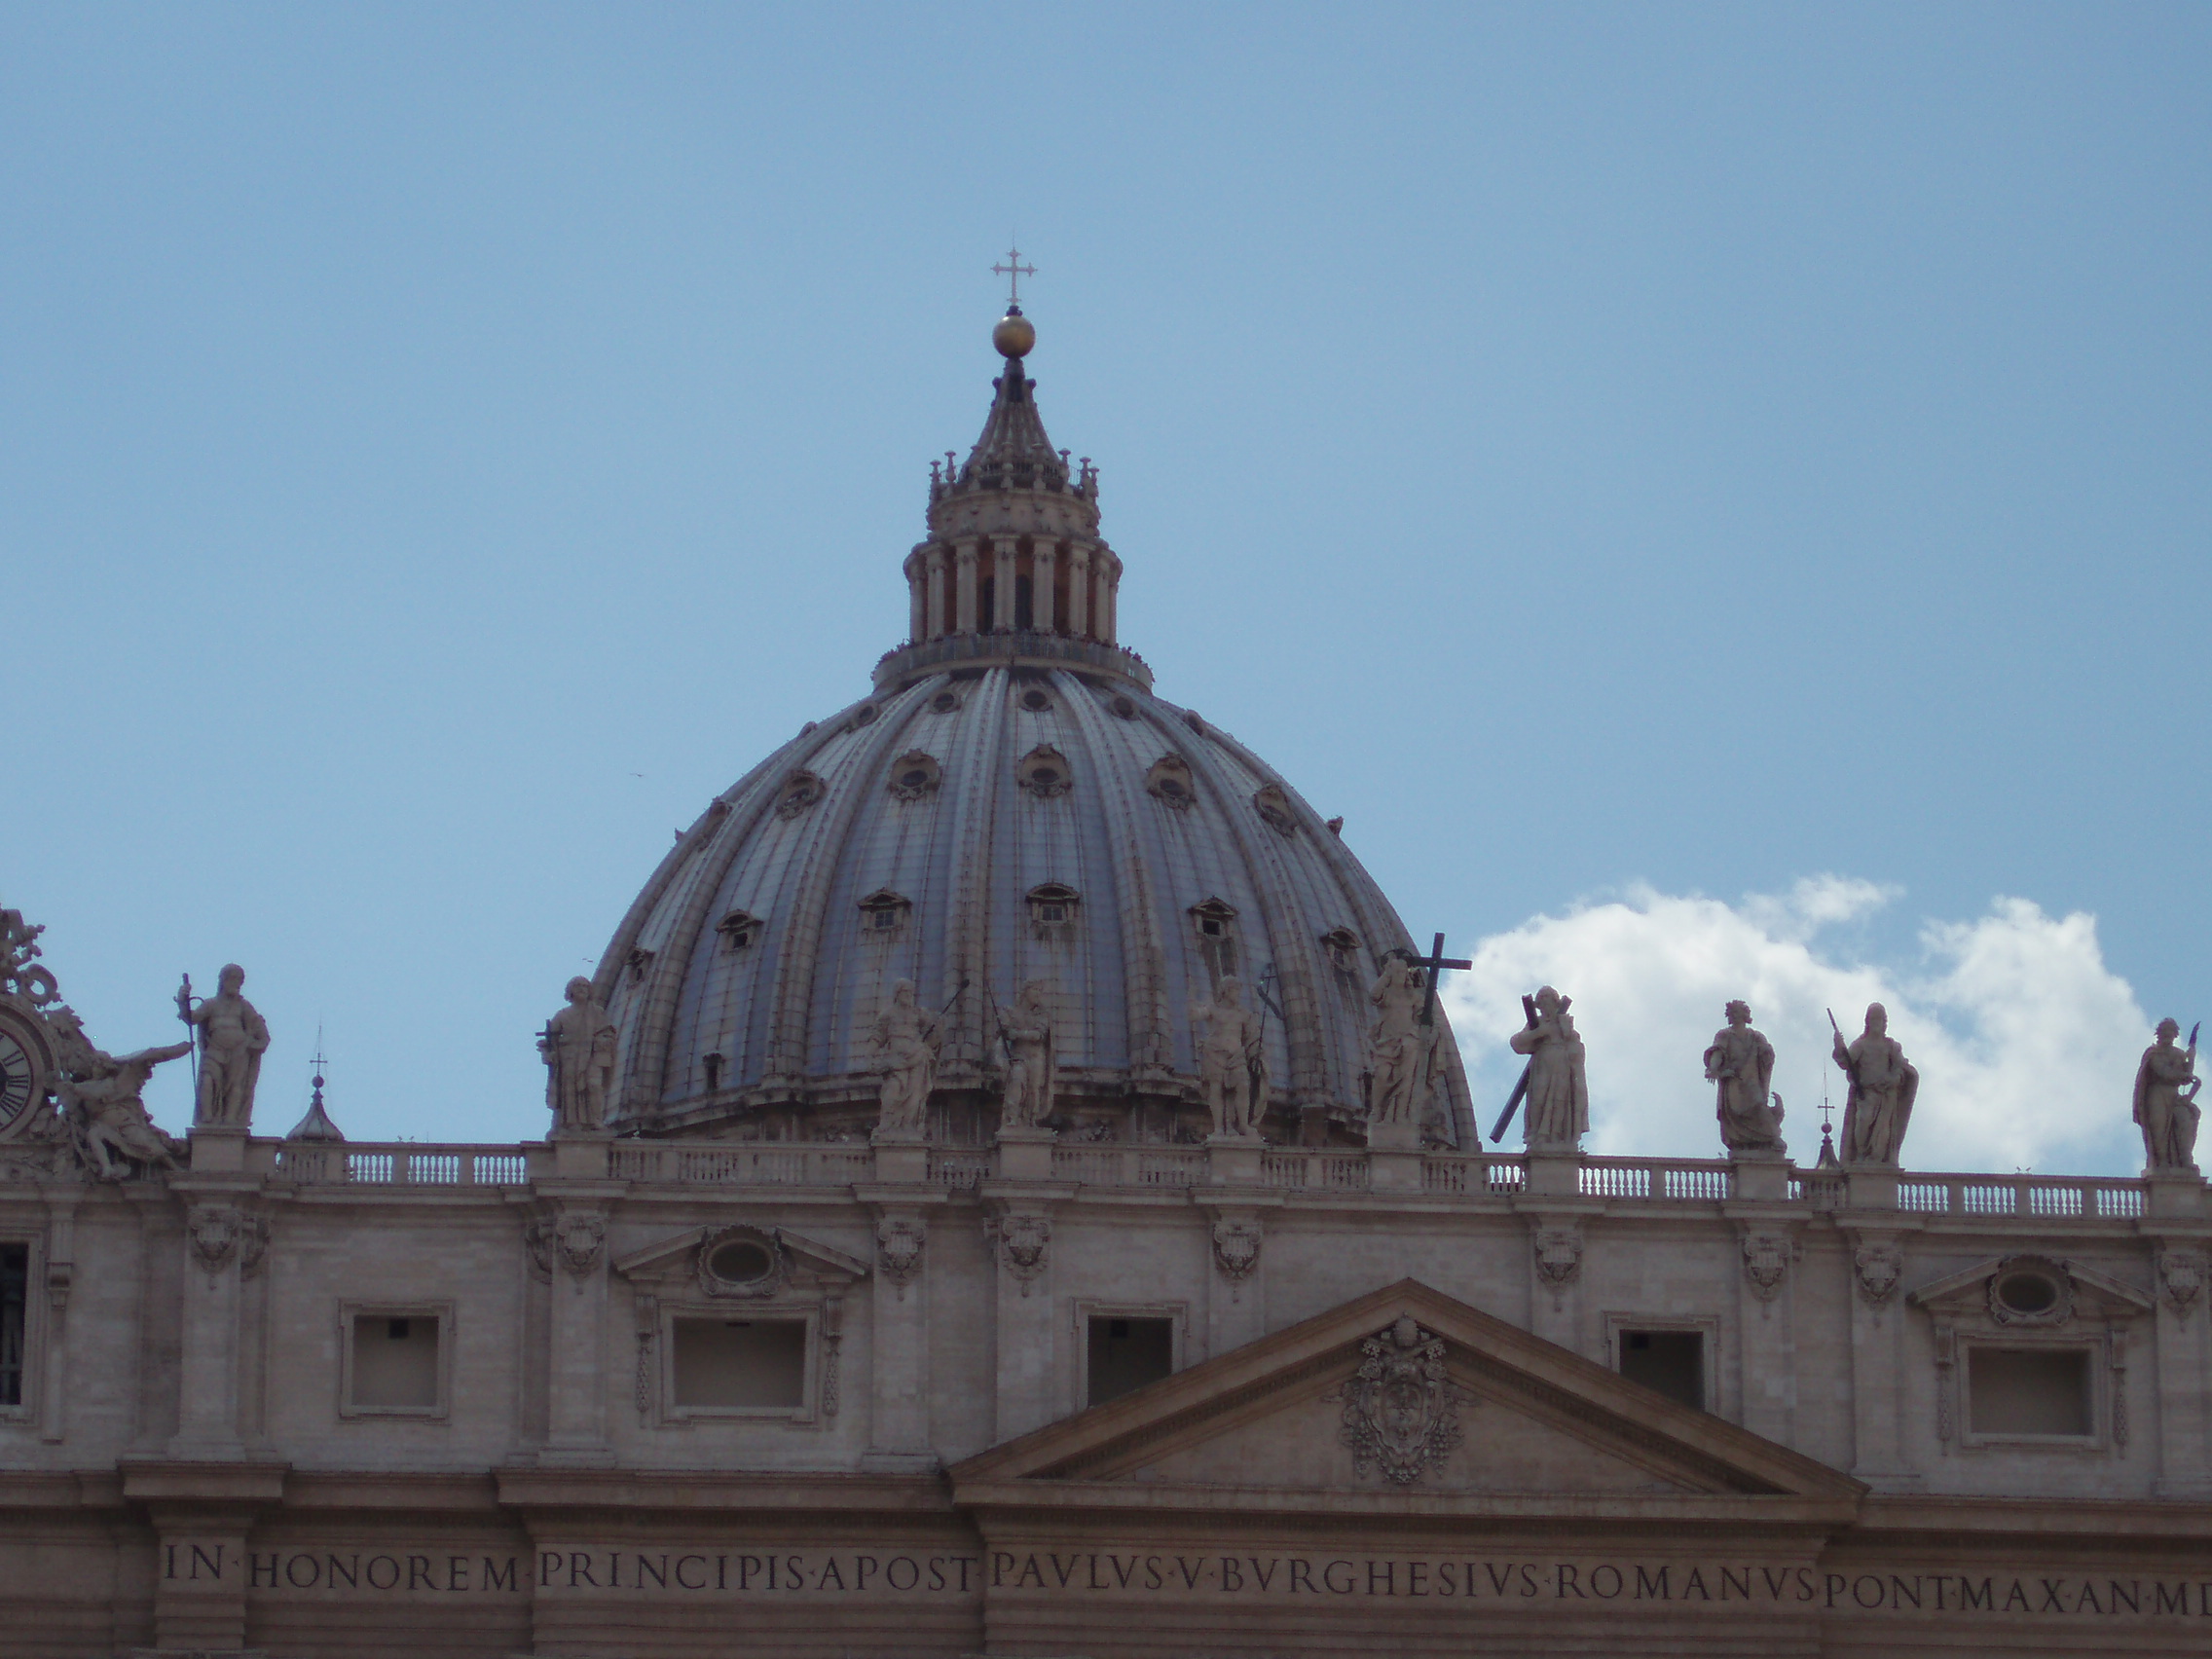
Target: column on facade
{"points": [[1040, 574], [933, 616], [899, 1344], [576, 1381], [1877, 1359], [917, 596], [1024, 1338], [964, 554], [1767, 1349], [1002, 584], [2180, 1330], [207, 1381], [1079, 590], [60, 1271]]}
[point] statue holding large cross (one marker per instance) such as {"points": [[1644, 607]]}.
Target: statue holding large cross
{"points": [[1401, 1045]]}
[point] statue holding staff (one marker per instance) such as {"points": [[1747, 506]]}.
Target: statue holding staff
{"points": [[233, 1037], [2165, 1100], [578, 1045], [908, 1039], [1883, 1086]]}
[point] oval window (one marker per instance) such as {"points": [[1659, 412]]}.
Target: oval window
{"points": [[944, 702], [1123, 706], [740, 1263], [1044, 775], [2027, 1293], [1171, 787], [914, 780], [1035, 699]]}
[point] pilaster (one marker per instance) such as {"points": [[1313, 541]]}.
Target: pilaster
{"points": [[934, 617], [1079, 589], [1766, 1319], [2182, 1331], [964, 556], [216, 1237], [576, 1383], [1002, 584], [1875, 1265], [60, 1276], [1236, 1288], [1041, 586], [898, 1297], [1017, 1225]]}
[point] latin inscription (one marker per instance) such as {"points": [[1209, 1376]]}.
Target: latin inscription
{"points": [[1525, 1583]]}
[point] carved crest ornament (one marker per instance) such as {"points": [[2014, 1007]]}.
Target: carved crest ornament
{"points": [[2182, 1274], [1401, 1411], [1877, 1267], [579, 1238], [1767, 1262], [899, 1245], [1023, 1241], [1237, 1248]]}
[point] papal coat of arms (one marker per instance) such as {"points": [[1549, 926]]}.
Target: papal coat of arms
{"points": [[1401, 1412]]}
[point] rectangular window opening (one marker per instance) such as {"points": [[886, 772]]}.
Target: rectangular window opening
{"points": [[15, 1300], [1667, 1362], [740, 1364], [2038, 1391], [395, 1362], [1128, 1353]]}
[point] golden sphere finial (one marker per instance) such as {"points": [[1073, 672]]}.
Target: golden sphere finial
{"points": [[1014, 335]]}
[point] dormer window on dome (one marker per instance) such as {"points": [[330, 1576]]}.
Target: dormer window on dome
{"points": [[914, 775], [738, 929], [884, 913], [800, 791], [1043, 772], [1051, 910], [1273, 808], [1170, 782], [1214, 921]]}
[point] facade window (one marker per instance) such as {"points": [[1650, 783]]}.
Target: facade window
{"points": [[1667, 1362], [1126, 1353], [397, 1361], [15, 1301], [740, 1365], [2031, 1393]]}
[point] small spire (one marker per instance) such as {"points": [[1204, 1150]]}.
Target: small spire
{"points": [[317, 1124]]}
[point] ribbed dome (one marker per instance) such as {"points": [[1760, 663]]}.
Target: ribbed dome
{"points": [[1011, 804]]}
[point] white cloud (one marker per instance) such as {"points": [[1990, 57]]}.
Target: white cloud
{"points": [[2025, 1041]]}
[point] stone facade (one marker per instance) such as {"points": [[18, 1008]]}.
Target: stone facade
{"points": [[1070, 1377]]}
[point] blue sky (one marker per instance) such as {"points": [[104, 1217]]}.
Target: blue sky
{"points": [[1624, 458]]}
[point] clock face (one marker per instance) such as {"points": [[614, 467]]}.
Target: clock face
{"points": [[20, 1081]]}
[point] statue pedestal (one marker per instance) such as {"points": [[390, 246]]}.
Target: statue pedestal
{"points": [[1026, 1155], [2171, 1193], [1234, 1161], [580, 1157], [1395, 1135], [1393, 1169], [1554, 1172], [1871, 1186], [1759, 1178], [218, 1149], [902, 1155]]}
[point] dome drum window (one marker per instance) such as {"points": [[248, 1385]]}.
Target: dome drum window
{"points": [[1043, 772], [640, 963], [884, 913], [1341, 945], [946, 703], [738, 929], [1053, 910], [1036, 700], [800, 791], [865, 716], [914, 775], [1169, 783], [1122, 708]]}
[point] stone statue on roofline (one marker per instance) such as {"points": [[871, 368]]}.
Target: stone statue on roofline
{"points": [[233, 1037], [1740, 1064], [2165, 1101], [1883, 1086], [101, 1114], [1555, 1084], [904, 1049], [1400, 1049], [578, 1046], [1233, 1060], [1032, 1057]]}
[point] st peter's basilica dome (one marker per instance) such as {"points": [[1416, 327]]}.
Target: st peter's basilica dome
{"points": [[1009, 803]]}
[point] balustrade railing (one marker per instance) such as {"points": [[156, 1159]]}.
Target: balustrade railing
{"points": [[1313, 1170]]}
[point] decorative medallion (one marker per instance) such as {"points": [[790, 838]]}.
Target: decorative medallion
{"points": [[914, 775], [581, 1239], [2182, 1274], [1877, 1267], [1401, 1412], [214, 1232], [899, 1245], [1767, 1262], [1237, 1248], [1025, 1241], [1169, 783], [1044, 773], [1559, 1257]]}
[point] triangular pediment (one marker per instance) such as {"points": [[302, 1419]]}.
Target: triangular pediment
{"points": [[1407, 1395], [779, 1254]]}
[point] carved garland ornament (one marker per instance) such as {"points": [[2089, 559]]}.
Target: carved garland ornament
{"points": [[1401, 1412]]}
